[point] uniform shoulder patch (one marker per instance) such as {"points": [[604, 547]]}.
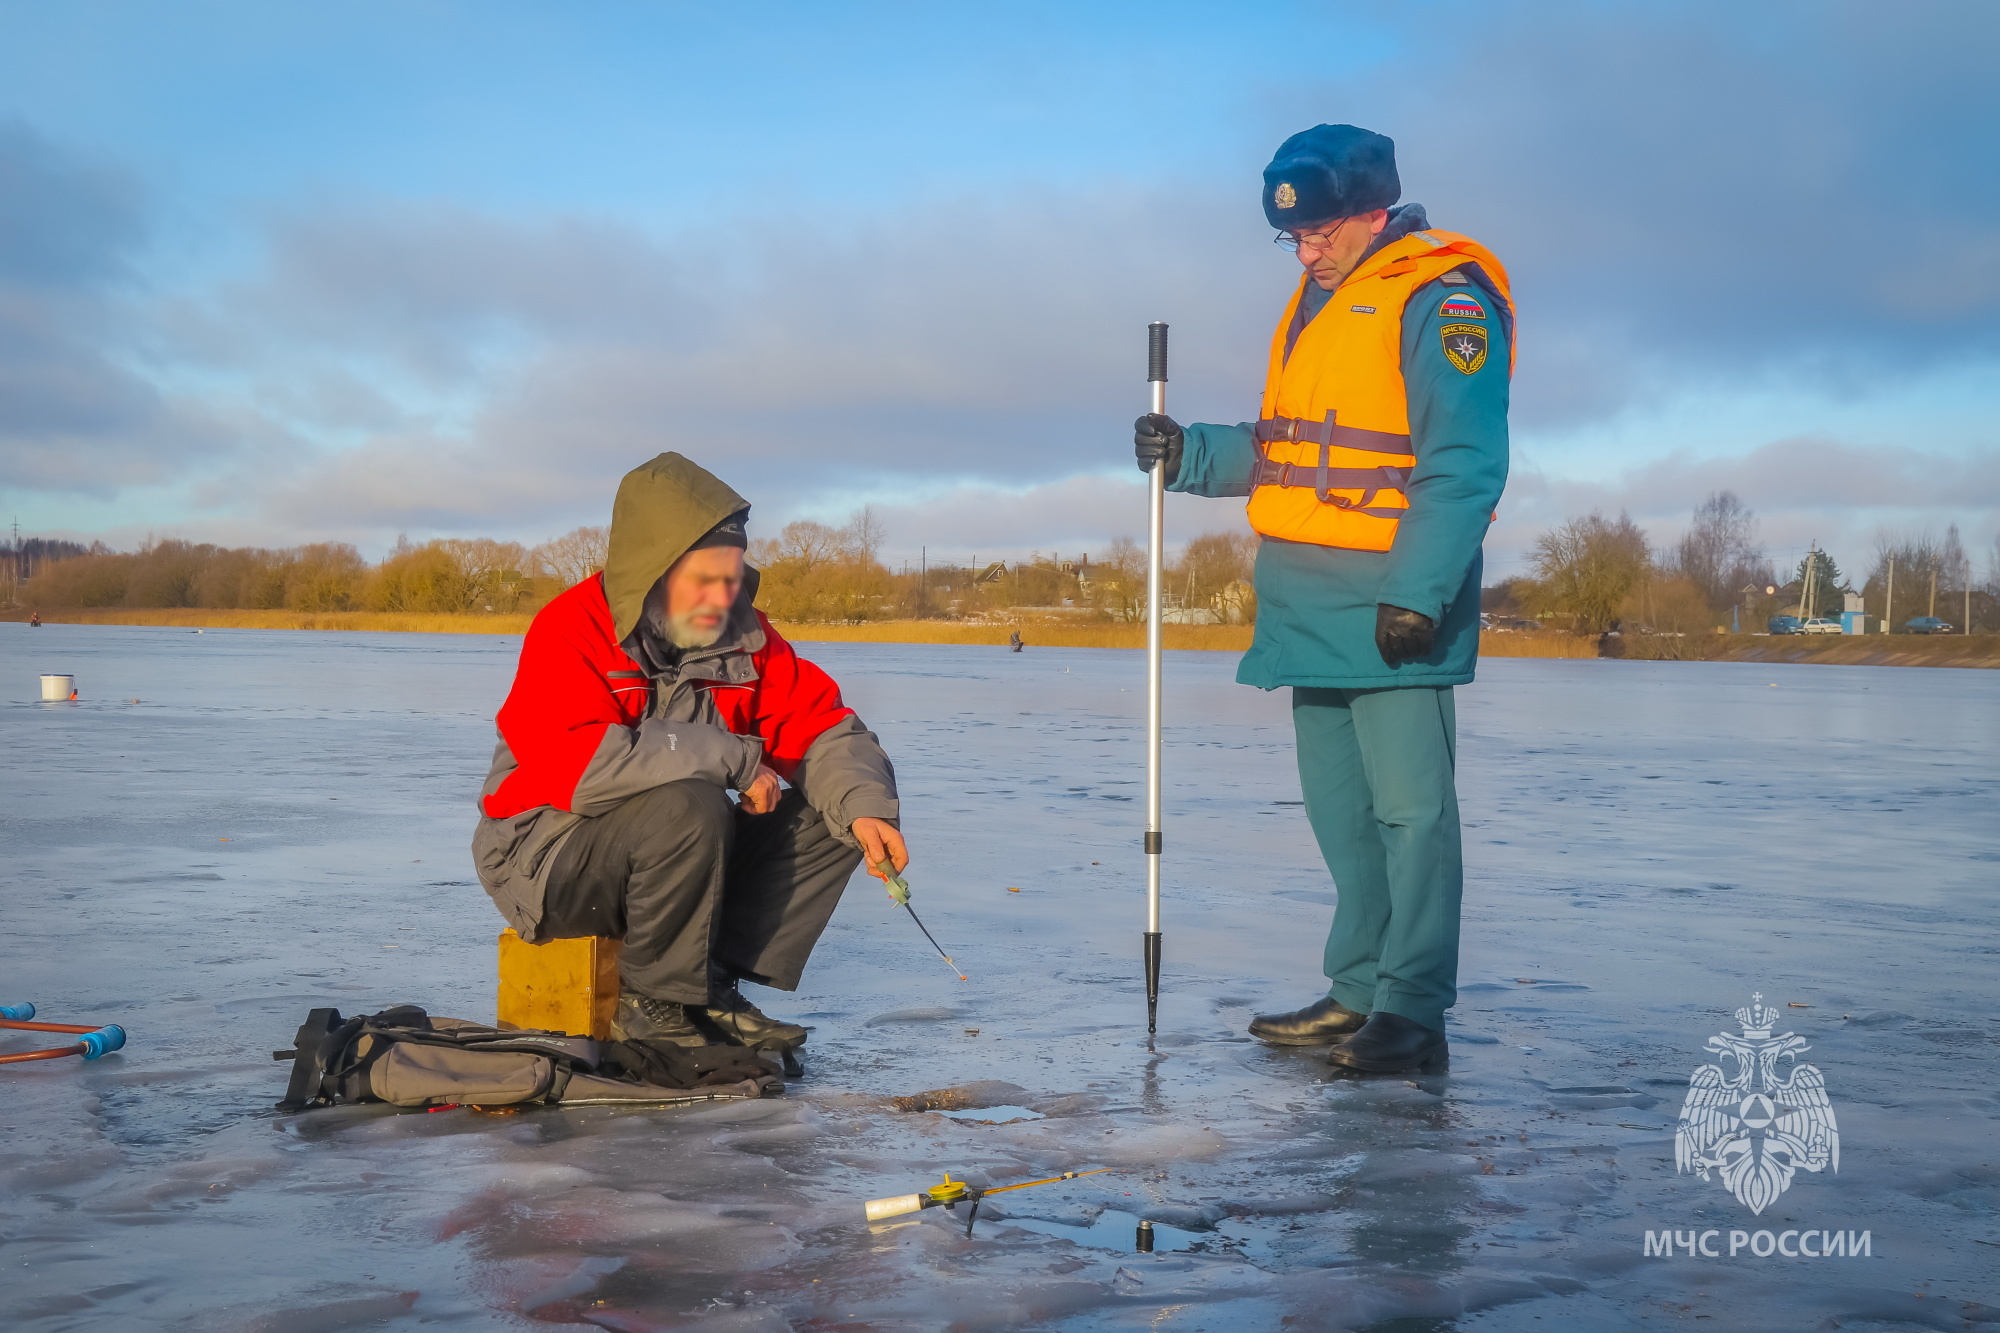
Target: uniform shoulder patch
{"points": [[1462, 305], [1455, 279], [1464, 346]]}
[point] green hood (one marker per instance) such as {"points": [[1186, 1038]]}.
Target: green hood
{"points": [[662, 509]]}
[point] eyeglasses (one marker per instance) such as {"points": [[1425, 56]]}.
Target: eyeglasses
{"points": [[1312, 240]]}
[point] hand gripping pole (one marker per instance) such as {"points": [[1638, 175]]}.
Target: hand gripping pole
{"points": [[1156, 376]]}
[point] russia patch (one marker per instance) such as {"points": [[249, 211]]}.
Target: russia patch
{"points": [[1462, 305]]}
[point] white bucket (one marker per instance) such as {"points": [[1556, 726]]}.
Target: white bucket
{"points": [[57, 687]]}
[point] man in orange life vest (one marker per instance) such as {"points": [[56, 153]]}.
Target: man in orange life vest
{"points": [[1372, 473]]}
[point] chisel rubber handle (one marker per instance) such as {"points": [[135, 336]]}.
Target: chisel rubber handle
{"points": [[1156, 353], [104, 1041]]}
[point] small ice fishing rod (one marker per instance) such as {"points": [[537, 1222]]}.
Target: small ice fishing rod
{"points": [[96, 1041], [899, 889], [953, 1192]]}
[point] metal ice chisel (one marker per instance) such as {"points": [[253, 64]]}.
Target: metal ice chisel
{"points": [[899, 890]]}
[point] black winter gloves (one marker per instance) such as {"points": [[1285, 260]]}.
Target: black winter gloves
{"points": [[1157, 438], [1402, 636]]}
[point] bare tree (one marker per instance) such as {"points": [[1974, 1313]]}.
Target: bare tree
{"points": [[481, 560], [1212, 564], [1118, 581], [1588, 567], [574, 556], [1926, 567], [1720, 554], [812, 571], [866, 534]]}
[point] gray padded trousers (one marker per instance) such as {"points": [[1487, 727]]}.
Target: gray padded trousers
{"points": [[686, 879]]}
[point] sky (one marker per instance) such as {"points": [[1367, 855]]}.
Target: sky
{"points": [[278, 273]]}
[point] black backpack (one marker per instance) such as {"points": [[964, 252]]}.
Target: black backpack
{"points": [[405, 1057]]}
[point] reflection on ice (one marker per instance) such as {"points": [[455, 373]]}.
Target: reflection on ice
{"points": [[1648, 844], [1112, 1230]]}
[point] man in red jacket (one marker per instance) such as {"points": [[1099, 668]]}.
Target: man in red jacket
{"points": [[644, 696]]}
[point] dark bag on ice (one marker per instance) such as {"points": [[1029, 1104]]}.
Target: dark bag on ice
{"points": [[405, 1057]]}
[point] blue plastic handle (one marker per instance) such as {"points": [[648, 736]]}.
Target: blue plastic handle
{"points": [[103, 1041], [20, 1013]]}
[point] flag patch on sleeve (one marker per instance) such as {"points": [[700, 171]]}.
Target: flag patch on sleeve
{"points": [[1462, 305]]}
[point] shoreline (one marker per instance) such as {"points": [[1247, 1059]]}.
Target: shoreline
{"points": [[1957, 650]]}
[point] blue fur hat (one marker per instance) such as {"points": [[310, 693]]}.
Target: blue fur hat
{"points": [[1329, 172]]}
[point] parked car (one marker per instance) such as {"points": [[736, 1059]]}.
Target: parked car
{"points": [[1821, 625], [1926, 625], [1783, 625]]}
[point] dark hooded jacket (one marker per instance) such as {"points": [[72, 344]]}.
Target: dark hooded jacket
{"points": [[602, 708]]}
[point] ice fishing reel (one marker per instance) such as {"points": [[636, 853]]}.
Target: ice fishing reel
{"points": [[951, 1193], [96, 1042]]}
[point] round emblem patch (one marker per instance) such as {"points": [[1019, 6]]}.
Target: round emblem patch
{"points": [[1464, 346], [1286, 196]]}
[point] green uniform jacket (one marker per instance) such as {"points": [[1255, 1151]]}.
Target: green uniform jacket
{"points": [[1316, 604]]}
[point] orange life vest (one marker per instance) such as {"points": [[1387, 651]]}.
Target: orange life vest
{"points": [[1333, 443]]}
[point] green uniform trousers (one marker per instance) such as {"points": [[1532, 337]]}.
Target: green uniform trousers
{"points": [[1376, 769]]}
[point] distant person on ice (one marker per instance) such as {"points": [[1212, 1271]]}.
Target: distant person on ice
{"points": [[1371, 474], [644, 696]]}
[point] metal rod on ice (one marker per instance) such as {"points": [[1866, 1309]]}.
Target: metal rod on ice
{"points": [[1156, 376]]}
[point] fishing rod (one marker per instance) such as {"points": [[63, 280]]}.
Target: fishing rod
{"points": [[954, 1192], [1156, 377], [899, 890], [97, 1041]]}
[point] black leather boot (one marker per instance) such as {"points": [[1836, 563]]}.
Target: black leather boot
{"points": [[1317, 1024], [1391, 1044], [739, 1020], [642, 1018]]}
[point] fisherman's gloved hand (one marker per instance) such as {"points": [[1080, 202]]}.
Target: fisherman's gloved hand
{"points": [[1402, 636], [1157, 438]]}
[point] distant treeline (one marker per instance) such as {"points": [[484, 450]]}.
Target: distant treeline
{"points": [[1592, 573], [816, 573], [809, 572], [1589, 573], [447, 575]]}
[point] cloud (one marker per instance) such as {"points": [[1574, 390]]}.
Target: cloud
{"points": [[476, 371], [1709, 193], [1807, 489], [1693, 199], [73, 417]]}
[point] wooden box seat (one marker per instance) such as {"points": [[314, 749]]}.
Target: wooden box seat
{"points": [[559, 985]]}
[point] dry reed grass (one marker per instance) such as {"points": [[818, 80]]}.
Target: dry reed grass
{"points": [[1222, 638], [408, 622], [1979, 650], [1524, 643]]}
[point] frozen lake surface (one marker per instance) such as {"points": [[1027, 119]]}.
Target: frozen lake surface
{"points": [[233, 827]]}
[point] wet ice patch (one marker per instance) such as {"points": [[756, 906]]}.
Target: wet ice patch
{"points": [[1111, 1230], [936, 1014], [963, 1097], [993, 1115]]}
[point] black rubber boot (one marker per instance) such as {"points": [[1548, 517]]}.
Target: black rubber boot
{"points": [[741, 1021], [1391, 1044], [641, 1018], [1317, 1024]]}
